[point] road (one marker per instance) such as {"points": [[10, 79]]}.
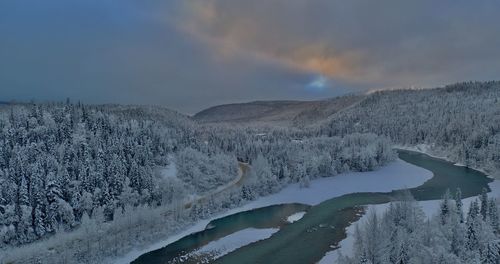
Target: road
{"points": [[243, 170]]}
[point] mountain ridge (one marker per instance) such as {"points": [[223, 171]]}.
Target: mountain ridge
{"points": [[277, 112]]}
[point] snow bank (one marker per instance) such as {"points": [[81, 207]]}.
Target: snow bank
{"points": [[422, 148], [170, 171], [428, 150], [295, 217], [396, 175], [227, 244], [430, 208]]}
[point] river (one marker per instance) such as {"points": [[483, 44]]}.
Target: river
{"points": [[322, 228]]}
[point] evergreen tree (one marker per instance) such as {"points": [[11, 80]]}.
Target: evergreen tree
{"points": [[472, 223], [445, 208], [459, 205], [492, 253], [484, 204], [493, 216]]}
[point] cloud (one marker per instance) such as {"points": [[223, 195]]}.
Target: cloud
{"points": [[385, 43], [92, 51], [243, 27], [190, 54]]}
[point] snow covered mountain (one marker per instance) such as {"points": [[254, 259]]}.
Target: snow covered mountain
{"points": [[95, 170], [276, 112]]}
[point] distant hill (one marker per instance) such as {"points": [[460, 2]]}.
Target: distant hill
{"points": [[460, 121], [157, 113], [276, 112]]}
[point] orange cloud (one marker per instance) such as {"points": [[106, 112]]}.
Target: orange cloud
{"points": [[321, 58], [243, 34]]}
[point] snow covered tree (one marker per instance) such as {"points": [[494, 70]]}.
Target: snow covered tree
{"points": [[445, 208], [459, 205], [494, 216], [391, 239], [484, 204]]}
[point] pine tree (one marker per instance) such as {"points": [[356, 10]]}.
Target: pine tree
{"points": [[403, 257], [473, 216], [493, 216], [459, 205], [372, 241], [458, 238], [484, 204], [491, 253], [38, 216], [358, 247], [445, 208]]}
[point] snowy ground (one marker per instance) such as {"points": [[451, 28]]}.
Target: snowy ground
{"points": [[396, 175], [295, 217], [225, 245], [170, 171], [430, 208]]}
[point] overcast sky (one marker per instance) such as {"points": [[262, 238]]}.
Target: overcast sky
{"points": [[191, 54]]}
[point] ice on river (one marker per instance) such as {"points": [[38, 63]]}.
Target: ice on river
{"points": [[227, 244], [396, 175], [295, 217]]}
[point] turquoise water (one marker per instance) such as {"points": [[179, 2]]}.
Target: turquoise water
{"points": [[320, 230], [266, 217]]}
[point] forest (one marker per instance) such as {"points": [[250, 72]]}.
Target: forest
{"points": [[402, 234], [74, 172], [460, 121], [71, 173]]}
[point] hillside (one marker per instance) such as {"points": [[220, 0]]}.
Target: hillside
{"points": [[276, 112], [459, 121], [72, 173], [69, 167]]}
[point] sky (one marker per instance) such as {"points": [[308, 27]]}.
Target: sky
{"points": [[192, 54]]}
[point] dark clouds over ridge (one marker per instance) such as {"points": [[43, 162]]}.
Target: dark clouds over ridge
{"points": [[190, 54]]}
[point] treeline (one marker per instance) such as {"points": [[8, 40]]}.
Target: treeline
{"points": [[460, 121], [404, 235], [61, 161], [293, 155], [67, 167], [217, 170], [280, 163]]}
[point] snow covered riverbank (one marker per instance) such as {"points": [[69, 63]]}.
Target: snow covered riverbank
{"points": [[429, 207], [428, 150], [225, 245], [396, 175]]}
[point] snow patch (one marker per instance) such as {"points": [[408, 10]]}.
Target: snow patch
{"points": [[227, 244], [394, 176], [295, 217], [430, 208], [170, 171]]}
